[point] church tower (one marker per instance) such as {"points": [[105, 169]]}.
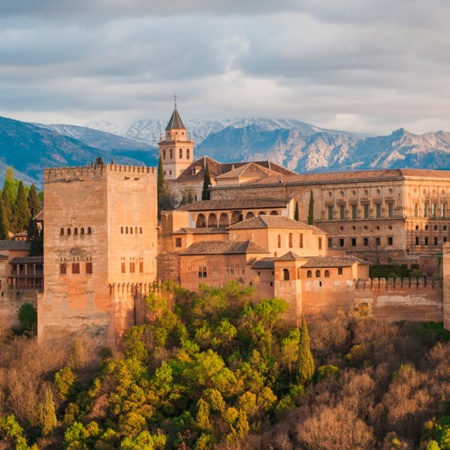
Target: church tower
{"points": [[176, 150]]}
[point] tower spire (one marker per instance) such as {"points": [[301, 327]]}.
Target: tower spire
{"points": [[175, 100]]}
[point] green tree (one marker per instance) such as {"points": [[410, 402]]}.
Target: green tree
{"points": [[187, 195], [206, 184], [27, 316], [49, 421], [35, 237], [3, 223], [296, 217], [311, 209], [99, 161], [10, 185], [7, 206], [21, 212], [305, 358], [34, 204]]}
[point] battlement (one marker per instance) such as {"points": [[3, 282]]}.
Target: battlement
{"points": [[399, 283], [93, 171]]}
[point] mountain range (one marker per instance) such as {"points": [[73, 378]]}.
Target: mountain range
{"points": [[297, 145]]}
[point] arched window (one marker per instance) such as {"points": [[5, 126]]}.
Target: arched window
{"points": [[224, 222], [180, 153], [61, 232], [75, 231], [131, 230], [201, 221], [273, 213], [249, 215], [170, 153], [69, 232], [317, 273], [188, 154], [262, 213], [121, 230], [327, 274], [140, 230], [236, 217], [212, 221], [164, 154], [89, 230], [309, 274], [82, 230], [286, 275], [126, 230]]}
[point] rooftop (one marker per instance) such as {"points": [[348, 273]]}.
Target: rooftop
{"points": [[175, 122], [274, 222], [332, 261], [14, 245], [224, 248], [238, 203], [28, 260]]}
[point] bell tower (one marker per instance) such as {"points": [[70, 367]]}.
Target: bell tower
{"points": [[176, 150]]}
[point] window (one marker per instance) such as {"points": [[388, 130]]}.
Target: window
{"points": [[340, 270], [366, 241], [75, 231], [353, 242], [366, 211], [417, 240], [89, 230], [426, 241], [378, 210], [61, 232], [126, 230], [416, 210], [390, 210], [177, 242], [435, 241], [309, 274], [342, 212], [390, 240], [442, 210], [123, 267], [188, 154], [180, 153], [132, 267], [341, 242], [327, 274], [76, 268], [286, 275], [69, 232], [279, 241], [330, 242], [170, 153], [353, 211], [320, 243], [377, 241], [88, 267], [330, 213], [433, 209], [317, 273], [82, 231], [300, 242], [140, 230], [290, 240], [131, 230], [425, 207], [141, 266], [164, 154], [62, 269], [202, 272]]}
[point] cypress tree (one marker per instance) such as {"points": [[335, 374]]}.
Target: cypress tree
{"points": [[36, 238], [296, 212], [7, 207], [49, 421], [34, 204], [305, 358], [10, 186], [21, 213], [206, 184], [311, 209], [3, 223], [160, 186]]}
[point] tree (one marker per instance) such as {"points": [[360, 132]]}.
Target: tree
{"points": [[187, 195], [21, 212], [49, 421], [296, 217], [305, 358], [311, 209], [35, 236], [10, 185], [3, 223], [34, 204], [99, 161], [7, 207], [27, 316], [206, 184], [160, 187]]}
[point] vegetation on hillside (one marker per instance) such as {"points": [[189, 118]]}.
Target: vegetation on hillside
{"points": [[213, 370]]}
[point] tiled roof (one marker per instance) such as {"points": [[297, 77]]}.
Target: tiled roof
{"points": [[332, 261], [39, 216], [263, 263], [3, 257], [14, 245], [249, 169], [28, 260], [346, 177], [290, 256], [201, 231], [175, 122], [274, 222], [216, 168], [238, 203], [224, 248]]}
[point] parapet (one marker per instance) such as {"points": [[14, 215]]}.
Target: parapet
{"points": [[92, 171], [398, 283]]}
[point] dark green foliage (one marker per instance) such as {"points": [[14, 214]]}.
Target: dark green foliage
{"points": [[391, 271], [21, 212], [99, 161], [34, 204], [311, 209], [206, 184], [7, 207], [4, 228], [296, 215], [35, 236], [305, 358], [27, 316]]}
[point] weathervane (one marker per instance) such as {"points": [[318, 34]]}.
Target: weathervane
{"points": [[175, 99]]}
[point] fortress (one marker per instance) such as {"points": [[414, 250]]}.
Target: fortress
{"points": [[104, 249]]}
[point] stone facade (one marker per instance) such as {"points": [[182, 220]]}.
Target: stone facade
{"points": [[100, 247]]}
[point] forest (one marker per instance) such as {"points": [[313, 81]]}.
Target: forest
{"points": [[212, 370]]}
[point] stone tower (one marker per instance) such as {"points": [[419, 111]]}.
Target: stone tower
{"points": [[176, 151], [100, 249]]}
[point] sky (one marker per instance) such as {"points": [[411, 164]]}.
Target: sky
{"points": [[358, 65]]}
